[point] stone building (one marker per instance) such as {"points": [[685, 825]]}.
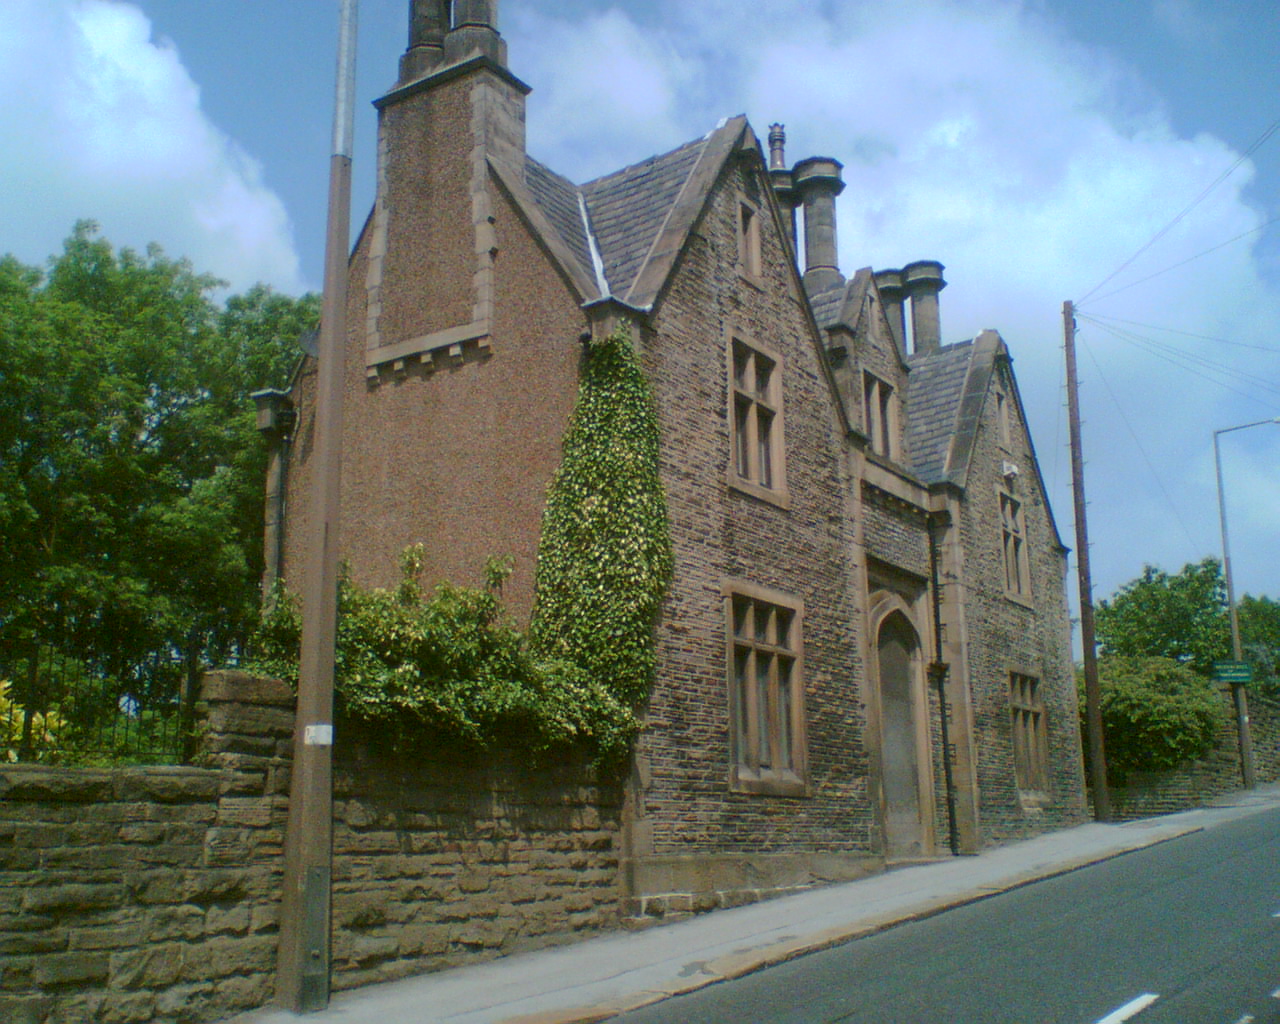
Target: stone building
{"points": [[857, 514]]}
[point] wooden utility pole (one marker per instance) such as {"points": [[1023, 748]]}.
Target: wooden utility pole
{"points": [[302, 968], [1092, 694], [1238, 695]]}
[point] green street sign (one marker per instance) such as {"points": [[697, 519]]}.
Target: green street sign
{"points": [[1232, 672]]}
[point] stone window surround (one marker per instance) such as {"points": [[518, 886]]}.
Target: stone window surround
{"points": [[756, 407], [785, 722], [1030, 736], [750, 265], [1004, 432], [880, 415]]}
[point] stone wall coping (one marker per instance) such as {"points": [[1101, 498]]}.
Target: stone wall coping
{"points": [[234, 686]]}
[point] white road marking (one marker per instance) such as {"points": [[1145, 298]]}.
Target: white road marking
{"points": [[1248, 1018], [1130, 1009]]}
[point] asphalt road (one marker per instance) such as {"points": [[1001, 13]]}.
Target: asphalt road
{"points": [[1187, 932]]}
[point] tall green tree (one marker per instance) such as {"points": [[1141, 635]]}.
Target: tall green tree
{"points": [[130, 470], [1180, 616]]}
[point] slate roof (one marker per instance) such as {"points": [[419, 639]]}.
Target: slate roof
{"points": [[827, 306], [558, 198], [637, 217], [628, 209], [935, 393]]}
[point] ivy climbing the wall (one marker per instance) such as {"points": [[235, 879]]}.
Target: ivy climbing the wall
{"points": [[604, 561]]}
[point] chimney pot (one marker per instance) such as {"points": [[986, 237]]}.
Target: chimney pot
{"points": [[475, 31], [777, 147], [893, 295], [818, 182], [923, 280], [428, 25]]}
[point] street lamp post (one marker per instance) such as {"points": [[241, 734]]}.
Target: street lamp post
{"points": [[1237, 652]]}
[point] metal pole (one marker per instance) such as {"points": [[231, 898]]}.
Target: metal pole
{"points": [[1092, 691], [302, 975], [938, 673], [1238, 694]]}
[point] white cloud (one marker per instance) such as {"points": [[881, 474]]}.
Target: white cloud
{"points": [[611, 92], [110, 128], [978, 133]]}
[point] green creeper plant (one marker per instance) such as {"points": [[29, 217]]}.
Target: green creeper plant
{"points": [[604, 559], [450, 664]]}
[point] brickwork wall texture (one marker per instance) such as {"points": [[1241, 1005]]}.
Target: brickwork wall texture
{"points": [[1008, 635], [152, 894], [1217, 773], [895, 532], [719, 533]]}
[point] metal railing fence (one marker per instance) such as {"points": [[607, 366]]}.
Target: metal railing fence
{"points": [[55, 708]]}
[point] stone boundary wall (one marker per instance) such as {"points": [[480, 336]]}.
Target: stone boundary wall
{"points": [[1216, 774], [152, 894]]}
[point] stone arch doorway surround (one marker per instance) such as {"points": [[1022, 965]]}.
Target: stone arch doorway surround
{"points": [[905, 791]]}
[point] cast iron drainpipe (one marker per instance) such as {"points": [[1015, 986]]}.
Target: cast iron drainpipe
{"points": [[937, 672]]}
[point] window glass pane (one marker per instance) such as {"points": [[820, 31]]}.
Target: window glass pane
{"points": [[762, 708], [741, 616], [762, 614], [784, 619], [765, 441], [741, 366], [741, 441], [784, 712], [764, 376], [741, 697]]}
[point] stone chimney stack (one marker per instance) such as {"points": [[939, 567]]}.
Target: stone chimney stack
{"points": [[475, 32], [818, 182], [894, 297], [923, 280], [783, 190]]}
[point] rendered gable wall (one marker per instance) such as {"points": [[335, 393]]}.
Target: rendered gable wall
{"points": [[451, 447]]}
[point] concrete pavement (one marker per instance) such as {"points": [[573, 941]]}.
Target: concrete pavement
{"points": [[599, 978]]}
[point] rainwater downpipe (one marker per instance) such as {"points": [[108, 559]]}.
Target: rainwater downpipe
{"points": [[937, 672]]}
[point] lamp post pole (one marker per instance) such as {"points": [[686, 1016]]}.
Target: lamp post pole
{"points": [[1237, 651], [303, 957]]}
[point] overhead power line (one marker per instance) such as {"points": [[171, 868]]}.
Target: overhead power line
{"points": [[1267, 134], [1183, 263], [1203, 369], [1141, 451], [1096, 317]]}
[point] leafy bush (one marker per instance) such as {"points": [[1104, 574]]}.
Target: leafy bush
{"points": [[45, 727], [450, 664], [604, 560], [1156, 714]]}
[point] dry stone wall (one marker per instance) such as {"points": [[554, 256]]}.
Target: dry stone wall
{"points": [[152, 894]]}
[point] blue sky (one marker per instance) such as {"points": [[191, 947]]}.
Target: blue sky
{"points": [[1032, 146]]}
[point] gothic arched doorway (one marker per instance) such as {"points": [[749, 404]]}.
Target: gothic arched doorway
{"points": [[898, 649]]}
